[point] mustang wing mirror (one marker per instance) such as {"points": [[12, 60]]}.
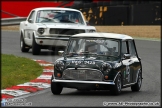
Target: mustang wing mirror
{"points": [[60, 53]]}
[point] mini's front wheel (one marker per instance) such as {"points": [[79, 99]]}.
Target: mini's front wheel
{"points": [[116, 89], [56, 88]]}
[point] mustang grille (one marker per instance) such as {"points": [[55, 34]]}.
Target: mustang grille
{"points": [[66, 31], [86, 74]]}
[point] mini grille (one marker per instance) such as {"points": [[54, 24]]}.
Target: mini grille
{"points": [[92, 75]]}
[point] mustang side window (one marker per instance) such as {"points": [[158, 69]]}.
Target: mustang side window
{"points": [[31, 17]]}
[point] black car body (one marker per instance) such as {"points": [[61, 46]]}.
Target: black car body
{"points": [[98, 61]]}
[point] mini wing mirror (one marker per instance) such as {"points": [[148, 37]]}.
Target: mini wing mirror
{"points": [[30, 20], [60, 53], [127, 56]]}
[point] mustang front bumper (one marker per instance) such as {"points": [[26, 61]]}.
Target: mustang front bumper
{"points": [[52, 41]]}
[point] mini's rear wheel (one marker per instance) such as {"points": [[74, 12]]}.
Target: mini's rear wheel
{"points": [[137, 86]]}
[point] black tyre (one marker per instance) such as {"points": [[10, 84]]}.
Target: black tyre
{"points": [[35, 48], [137, 86], [56, 88], [116, 89], [23, 46]]}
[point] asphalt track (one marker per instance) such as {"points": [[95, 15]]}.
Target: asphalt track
{"points": [[149, 51]]}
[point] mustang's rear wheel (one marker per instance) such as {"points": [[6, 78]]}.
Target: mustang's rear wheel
{"points": [[56, 88], [116, 89], [35, 47], [23, 46], [137, 86]]}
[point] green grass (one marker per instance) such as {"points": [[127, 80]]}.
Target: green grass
{"points": [[18, 70]]}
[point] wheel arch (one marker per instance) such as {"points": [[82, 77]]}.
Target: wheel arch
{"points": [[22, 33], [139, 71], [119, 72], [33, 35]]}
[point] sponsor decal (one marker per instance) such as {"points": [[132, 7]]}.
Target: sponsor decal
{"points": [[48, 70], [36, 84], [44, 77], [42, 64], [14, 92]]}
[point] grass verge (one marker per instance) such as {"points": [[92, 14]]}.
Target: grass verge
{"points": [[18, 70]]}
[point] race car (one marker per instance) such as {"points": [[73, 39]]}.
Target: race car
{"points": [[98, 61], [50, 28]]}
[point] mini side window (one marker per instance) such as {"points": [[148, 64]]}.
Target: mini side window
{"points": [[132, 48], [124, 48]]}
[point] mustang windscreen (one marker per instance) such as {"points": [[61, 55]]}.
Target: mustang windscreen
{"points": [[59, 16]]}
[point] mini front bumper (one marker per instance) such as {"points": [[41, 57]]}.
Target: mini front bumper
{"points": [[83, 82]]}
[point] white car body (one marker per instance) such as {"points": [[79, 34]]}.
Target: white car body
{"points": [[42, 35]]}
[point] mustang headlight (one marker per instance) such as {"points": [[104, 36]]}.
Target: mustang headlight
{"points": [[106, 67], [41, 30], [59, 65]]}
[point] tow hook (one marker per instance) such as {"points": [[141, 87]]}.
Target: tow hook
{"points": [[97, 85]]}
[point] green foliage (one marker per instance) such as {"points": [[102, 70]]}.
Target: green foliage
{"points": [[18, 70]]}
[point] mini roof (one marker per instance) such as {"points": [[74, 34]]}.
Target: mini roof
{"points": [[104, 35]]}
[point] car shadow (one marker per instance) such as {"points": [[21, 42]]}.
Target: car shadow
{"points": [[46, 52], [97, 93]]}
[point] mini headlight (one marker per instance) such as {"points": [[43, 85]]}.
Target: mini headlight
{"points": [[41, 30], [59, 65], [106, 67]]}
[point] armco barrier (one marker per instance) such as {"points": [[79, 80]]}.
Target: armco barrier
{"points": [[12, 21]]}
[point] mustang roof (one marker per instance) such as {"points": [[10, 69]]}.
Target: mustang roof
{"points": [[104, 35], [55, 8]]}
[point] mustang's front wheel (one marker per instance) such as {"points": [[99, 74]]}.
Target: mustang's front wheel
{"points": [[116, 89], [35, 47], [56, 88], [23, 46]]}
